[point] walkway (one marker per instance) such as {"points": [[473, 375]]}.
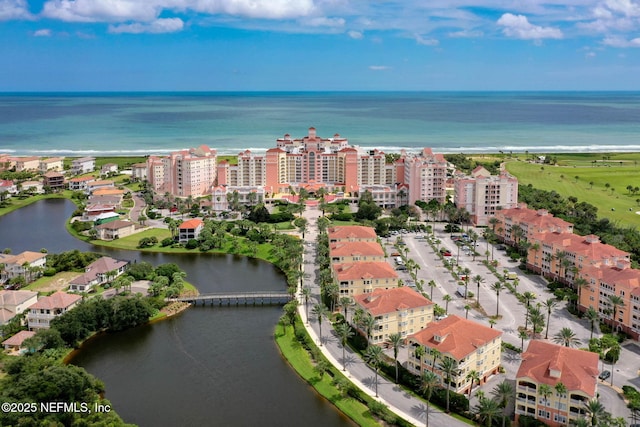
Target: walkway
{"points": [[398, 400]]}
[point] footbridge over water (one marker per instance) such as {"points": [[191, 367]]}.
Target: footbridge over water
{"points": [[237, 298]]}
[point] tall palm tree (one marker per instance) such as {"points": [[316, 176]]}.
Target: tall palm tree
{"points": [[478, 279], [449, 367], [345, 302], [566, 337], [549, 304], [432, 284], [503, 393], [319, 310], [523, 336], [373, 355], [498, 287], [486, 409], [344, 332], [544, 391], [419, 353], [306, 294], [592, 316], [595, 410], [435, 354], [616, 301], [428, 382], [447, 299], [368, 322], [537, 320], [396, 341], [473, 376], [528, 297], [579, 284], [466, 311]]}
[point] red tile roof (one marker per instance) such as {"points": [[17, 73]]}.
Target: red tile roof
{"points": [[577, 368], [191, 224], [351, 232], [355, 248], [15, 297], [364, 270], [458, 337], [382, 301], [588, 246], [57, 300], [18, 338], [535, 220]]}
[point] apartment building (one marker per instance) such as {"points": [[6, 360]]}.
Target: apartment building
{"points": [[83, 165], [483, 194], [473, 346], [53, 180], [183, 173], [55, 164], [26, 163], [554, 383], [398, 310], [345, 252], [357, 278], [426, 177], [351, 233], [521, 222]]}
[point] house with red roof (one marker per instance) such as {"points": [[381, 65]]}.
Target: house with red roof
{"points": [[80, 183], [48, 308], [399, 310], [351, 233], [355, 278], [342, 252], [544, 366], [190, 230], [14, 343], [473, 346]]}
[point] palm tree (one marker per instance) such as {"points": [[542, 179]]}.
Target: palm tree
{"points": [[595, 410], [432, 284], [344, 332], [528, 297], [503, 393], [306, 294], [466, 311], [368, 322], [396, 341], [486, 409], [497, 287], [616, 301], [373, 355], [578, 284], [566, 337], [537, 320], [419, 353], [345, 302], [550, 304], [592, 316], [561, 389], [435, 354], [319, 310], [523, 336], [448, 366], [545, 390], [473, 376], [428, 382], [447, 299], [478, 279]]}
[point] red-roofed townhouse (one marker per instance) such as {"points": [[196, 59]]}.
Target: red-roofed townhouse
{"points": [[525, 222], [190, 230], [341, 252], [48, 308], [398, 310], [351, 233], [357, 278], [473, 346], [549, 364]]}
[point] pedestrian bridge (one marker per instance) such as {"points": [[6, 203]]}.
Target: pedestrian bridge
{"points": [[237, 298]]}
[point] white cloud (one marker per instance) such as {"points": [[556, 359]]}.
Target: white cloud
{"points": [[355, 34], [466, 34], [626, 7], [163, 25], [101, 10], [616, 41], [518, 26], [427, 42], [14, 9], [322, 21], [379, 67], [45, 32]]}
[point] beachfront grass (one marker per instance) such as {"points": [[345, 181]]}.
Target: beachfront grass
{"points": [[602, 184], [300, 361], [233, 160]]}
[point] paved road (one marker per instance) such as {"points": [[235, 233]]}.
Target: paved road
{"points": [[400, 402]]}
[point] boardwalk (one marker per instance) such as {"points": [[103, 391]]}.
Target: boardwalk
{"points": [[237, 298]]}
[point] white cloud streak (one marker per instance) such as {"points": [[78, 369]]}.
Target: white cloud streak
{"points": [[45, 32], [518, 26], [159, 26], [379, 67]]}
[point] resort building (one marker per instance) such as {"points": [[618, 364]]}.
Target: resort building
{"points": [[351, 233], [554, 383], [473, 346], [183, 173], [26, 264], [398, 310], [13, 303], [357, 278], [426, 177], [48, 308], [190, 230], [250, 171], [115, 229], [482, 194], [26, 163], [101, 271], [515, 224], [344, 252], [83, 165], [55, 164], [53, 180]]}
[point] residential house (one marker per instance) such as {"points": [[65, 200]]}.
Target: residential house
{"points": [[139, 171], [83, 165], [80, 183], [27, 163], [351, 233], [53, 180], [7, 188], [115, 229], [48, 308], [399, 310], [26, 264], [357, 278], [33, 186], [14, 343], [190, 230], [95, 185], [108, 191], [108, 168], [473, 346], [13, 303], [93, 210], [345, 252], [55, 164], [101, 271], [544, 366]]}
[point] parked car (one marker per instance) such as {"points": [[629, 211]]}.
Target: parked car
{"points": [[604, 375]]}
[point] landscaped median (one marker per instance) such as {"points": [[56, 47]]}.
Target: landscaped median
{"points": [[297, 347]]}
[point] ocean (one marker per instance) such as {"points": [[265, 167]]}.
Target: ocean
{"points": [[75, 124]]}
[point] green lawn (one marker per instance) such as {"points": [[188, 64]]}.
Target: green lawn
{"points": [[59, 281], [563, 180]]}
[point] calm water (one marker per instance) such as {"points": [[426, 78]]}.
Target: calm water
{"points": [[127, 123], [207, 366]]}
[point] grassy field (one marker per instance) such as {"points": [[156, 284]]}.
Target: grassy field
{"points": [[57, 282], [602, 183]]}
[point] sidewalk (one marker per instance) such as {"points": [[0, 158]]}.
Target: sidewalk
{"points": [[399, 401]]}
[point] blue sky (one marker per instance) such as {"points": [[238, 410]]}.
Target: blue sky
{"points": [[262, 45]]}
